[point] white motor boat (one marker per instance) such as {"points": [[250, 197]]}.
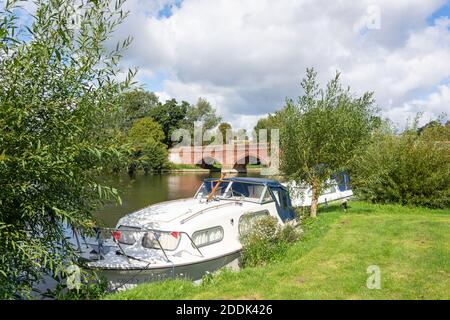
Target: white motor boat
{"points": [[337, 188], [187, 238]]}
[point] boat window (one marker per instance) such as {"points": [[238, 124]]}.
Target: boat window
{"points": [[207, 236], [248, 191], [247, 220], [284, 199], [331, 189], [169, 241], [281, 197], [208, 186], [267, 197], [236, 189], [343, 181], [276, 193], [128, 235]]}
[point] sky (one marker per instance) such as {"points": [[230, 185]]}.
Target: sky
{"points": [[247, 56]]}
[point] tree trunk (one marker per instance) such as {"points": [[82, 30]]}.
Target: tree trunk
{"points": [[314, 199]]}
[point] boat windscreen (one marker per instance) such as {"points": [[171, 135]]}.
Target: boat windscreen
{"points": [[237, 190], [248, 191], [208, 186]]}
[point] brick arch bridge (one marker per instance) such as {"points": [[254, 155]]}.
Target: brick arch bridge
{"points": [[233, 157]]}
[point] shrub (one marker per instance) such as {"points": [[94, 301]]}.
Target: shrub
{"points": [[266, 241], [410, 169]]}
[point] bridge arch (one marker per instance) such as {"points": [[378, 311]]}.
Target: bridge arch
{"points": [[207, 162], [248, 158]]}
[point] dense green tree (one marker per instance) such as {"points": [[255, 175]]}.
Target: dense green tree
{"points": [[321, 132], [171, 116], [272, 121], [136, 104], [145, 129], [202, 112], [263, 123], [146, 146], [241, 135], [57, 94], [226, 132]]}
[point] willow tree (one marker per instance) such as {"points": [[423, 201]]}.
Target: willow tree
{"points": [[58, 90], [321, 131]]}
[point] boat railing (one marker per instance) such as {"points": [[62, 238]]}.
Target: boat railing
{"points": [[204, 210], [116, 233]]}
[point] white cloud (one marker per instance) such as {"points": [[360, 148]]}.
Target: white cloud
{"points": [[163, 96], [246, 57], [436, 103]]}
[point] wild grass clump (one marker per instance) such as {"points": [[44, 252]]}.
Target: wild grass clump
{"points": [[266, 241]]}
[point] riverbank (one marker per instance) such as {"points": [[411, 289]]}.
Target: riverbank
{"points": [[410, 246], [188, 170], [201, 170]]}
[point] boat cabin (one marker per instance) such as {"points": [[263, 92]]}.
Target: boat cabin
{"points": [[256, 190]]}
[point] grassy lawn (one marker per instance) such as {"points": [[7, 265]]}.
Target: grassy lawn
{"points": [[411, 246]]}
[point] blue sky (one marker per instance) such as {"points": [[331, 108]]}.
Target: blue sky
{"points": [[443, 11], [167, 9]]}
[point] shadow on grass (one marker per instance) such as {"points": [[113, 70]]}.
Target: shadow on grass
{"points": [[353, 207], [359, 210], [332, 207], [304, 212]]}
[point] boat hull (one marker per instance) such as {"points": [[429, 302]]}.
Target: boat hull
{"points": [[120, 279]]}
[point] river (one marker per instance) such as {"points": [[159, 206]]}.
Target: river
{"points": [[145, 190]]}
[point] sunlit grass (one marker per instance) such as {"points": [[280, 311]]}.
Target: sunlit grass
{"points": [[411, 246]]}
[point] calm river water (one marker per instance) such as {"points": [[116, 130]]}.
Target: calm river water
{"points": [[150, 189]]}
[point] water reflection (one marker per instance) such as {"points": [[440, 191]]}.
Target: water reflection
{"points": [[146, 190]]}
